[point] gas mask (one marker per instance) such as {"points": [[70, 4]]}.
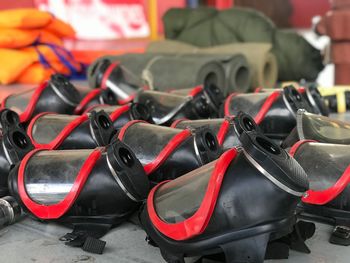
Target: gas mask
{"points": [[227, 130], [328, 169], [315, 102], [114, 77], [90, 190], [57, 95], [320, 128], [59, 131], [211, 93], [166, 107], [274, 112], [14, 145], [96, 97], [234, 205], [120, 115], [167, 153]]}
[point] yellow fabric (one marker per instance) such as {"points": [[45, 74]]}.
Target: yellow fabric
{"points": [[26, 18], [20, 32], [13, 63], [23, 65], [60, 29], [37, 73], [17, 38], [48, 54]]}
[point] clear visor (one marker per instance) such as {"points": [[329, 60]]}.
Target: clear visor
{"points": [[147, 140], [49, 175], [48, 127], [322, 129], [19, 102], [83, 90], [163, 106], [323, 163], [179, 199], [119, 81], [248, 103]]}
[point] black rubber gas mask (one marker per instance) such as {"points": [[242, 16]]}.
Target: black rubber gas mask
{"points": [[56, 95], [90, 190]]}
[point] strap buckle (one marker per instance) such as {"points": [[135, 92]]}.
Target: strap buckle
{"points": [[340, 236], [341, 232], [69, 237]]}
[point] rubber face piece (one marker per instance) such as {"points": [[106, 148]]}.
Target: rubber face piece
{"points": [[120, 115], [207, 100], [54, 131], [114, 78], [227, 130], [165, 107], [196, 217], [274, 112], [111, 178], [161, 149], [57, 95], [96, 97]]}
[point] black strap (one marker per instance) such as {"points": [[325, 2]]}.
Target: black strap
{"points": [[87, 237], [94, 245], [340, 236], [302, 231], [277, 250]]}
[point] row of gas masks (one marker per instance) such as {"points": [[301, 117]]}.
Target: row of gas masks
{"points": [[205, 177], [65, 154], [296, 119]]}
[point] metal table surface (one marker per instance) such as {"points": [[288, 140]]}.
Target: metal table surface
{"points": [[31, 241]]}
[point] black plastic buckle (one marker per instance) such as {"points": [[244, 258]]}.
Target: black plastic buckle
{"points": [[342, 232], [68, 237], [340, 236]]}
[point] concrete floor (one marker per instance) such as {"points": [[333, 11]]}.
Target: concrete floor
{"points": [[31, 241]]}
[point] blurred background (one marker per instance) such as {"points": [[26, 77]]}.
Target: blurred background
{"points": [[119, 26]]}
